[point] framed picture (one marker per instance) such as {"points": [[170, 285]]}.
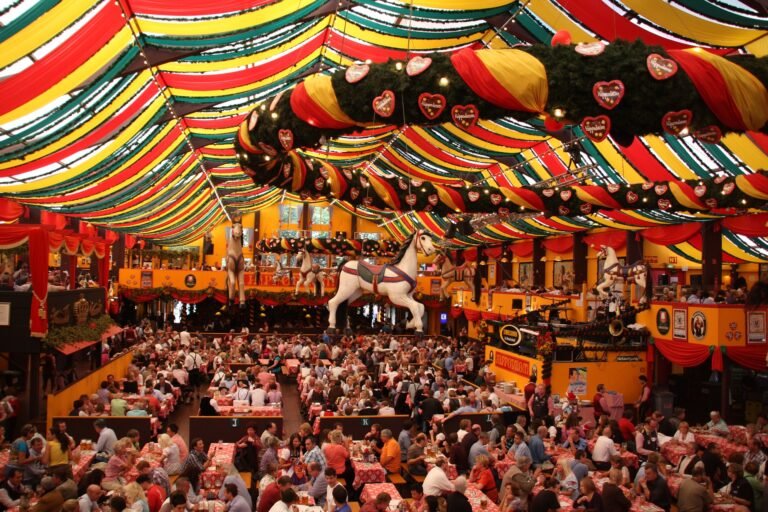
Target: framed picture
{"points": [[680, 324], [562, 274], [525, 277], [756, 327]]}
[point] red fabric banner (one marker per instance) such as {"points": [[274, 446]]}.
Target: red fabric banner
{"points": [[470, 254], [130, 241], [717, 359], [53, 220], [671, 235], [751, 356], [456, 312], [37, 240], [493, 252], [10, 211], [748, 225], [683, 353], [472, 315], [616, 239], [559, 245], [522, 249]]}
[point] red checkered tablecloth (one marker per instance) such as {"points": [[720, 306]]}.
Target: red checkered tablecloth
{"points": [[368, 472], [370, 491], [674, 452], [293, 366], [222, 453], [630, 459], [80, 468], [727, 448], [476, 496], [315, 410], [151, 453], [212, 478]]}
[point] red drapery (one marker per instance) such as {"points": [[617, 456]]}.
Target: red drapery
{"points": [[37, 238], [130, 241], [751, 356], [683, 353], [559, 245], [53, 220], [748, 225], [10, 211], [522, 249], [614, 238], [456, 312], [671, 235], [470, 254], [472, 315], [493, 252]]}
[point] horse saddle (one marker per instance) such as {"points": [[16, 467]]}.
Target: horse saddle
{"points": [[376, 274]]}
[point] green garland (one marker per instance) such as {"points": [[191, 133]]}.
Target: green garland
{"points": [[89, 331]]}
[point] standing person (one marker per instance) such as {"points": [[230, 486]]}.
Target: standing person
{"points": [[192, 363], [529, 388], [643, 402], [538, 405], [600, 403]]}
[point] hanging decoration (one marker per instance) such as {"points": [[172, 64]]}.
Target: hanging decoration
{"points": [[590, 49], [384, 105], [336, 246], [431, 105], [608, 94], [417, 65], [677, 123], [596, 128], [661, 68], [709, 134]]}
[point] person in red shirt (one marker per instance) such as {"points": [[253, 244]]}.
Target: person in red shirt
{"points": [[599, 403], [530, 388], [272, 493], [154, 403], [626, 426], [155, 494]]}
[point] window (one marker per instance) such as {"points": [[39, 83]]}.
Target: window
{"points": [[321, 234], [368, 236], [290, 214], [289, 233], [320, 215]]}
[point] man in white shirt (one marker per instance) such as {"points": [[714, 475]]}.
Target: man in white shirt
{"points": [[717, 425], [89, 501], [185, 338], [258, 395], [464, 426], [436, 482], [603, 450], [107, 437]]}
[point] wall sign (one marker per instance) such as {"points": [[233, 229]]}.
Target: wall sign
{"points": [[512, 363], [510, 335], [756, 327], [680, 324], [663, 321], [146, 279], [699, 325], [577, 381], [628, 358]]}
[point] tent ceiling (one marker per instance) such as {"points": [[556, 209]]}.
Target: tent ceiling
{"points": [[123, 112]]}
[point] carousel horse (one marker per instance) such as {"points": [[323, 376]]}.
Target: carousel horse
{"points": [[279, 272], [236, 263], [310, 275], [614, 270], [451, 273], [395, 280]]}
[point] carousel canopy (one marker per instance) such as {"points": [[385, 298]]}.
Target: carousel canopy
{"points": [[125, 112]]}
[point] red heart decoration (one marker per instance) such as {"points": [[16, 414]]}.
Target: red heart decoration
{"points": [[700, 190], [465, 116], [495, 199], [720, 179], [659, 67], [586, 208], [319, 183], [563, 210], [410, 199], [503, 211], [353, 193], [402, 184], [431, 105], [675, 122], [632, 197], [613, 187], [709, 134], [664, 204], [473, 195], [433, 199], [286, 139], [608, 94], [428, 207], [647, 185], [660, 189], [711, 202], [548, 192], [356, 72], [323, 172], [367, 201], [384, 105], [728, 188], [565, 195], [417, 65], [590, 49], [267, 149], [596, 128]]}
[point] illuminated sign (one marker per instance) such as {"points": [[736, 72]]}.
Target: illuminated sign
{"points": [[513, 364], [510, 335]]}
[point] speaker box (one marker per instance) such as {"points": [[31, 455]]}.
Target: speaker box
{"points": [[563, 354]]}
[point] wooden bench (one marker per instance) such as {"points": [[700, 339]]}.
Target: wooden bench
{"points": [[396, 479], [416, 478], [354, 506]]}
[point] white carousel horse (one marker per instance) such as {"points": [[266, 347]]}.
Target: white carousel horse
{"points": [[236, 263], [614, 270], [396, 280], [279, 272], [452, 273], [309, 273]]}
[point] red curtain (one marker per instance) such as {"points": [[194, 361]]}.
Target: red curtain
{"points": [[470, 254], [522, 249], [717, 359], [130, 241], [37, 239], [110, 236], [456, 312], [748, 225], [490, 315], [10, 211], [613, 238], [53, 220], [751, 356], [559, 245], [472, 315], [493, 252], [683, 353], [671, 235]]}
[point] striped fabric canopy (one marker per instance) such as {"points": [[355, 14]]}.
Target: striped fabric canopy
{"points": [[123, 112]]}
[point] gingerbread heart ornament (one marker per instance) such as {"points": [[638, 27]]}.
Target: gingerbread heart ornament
{"points": [[709, 134], [632, 197], [473, 195], [356, 72], [674, 123], [585, 208], [590, 49], [608, 94], [548, 192], [417, 65], [495, 199], [596, 128], [384, 105], [431, 105], [613, 187], [286, 139], [411, 199], [433, 199], [659, 67], [465, 116]]}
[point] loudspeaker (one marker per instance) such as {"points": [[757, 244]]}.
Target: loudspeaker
{"points": [[563, 354]]}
